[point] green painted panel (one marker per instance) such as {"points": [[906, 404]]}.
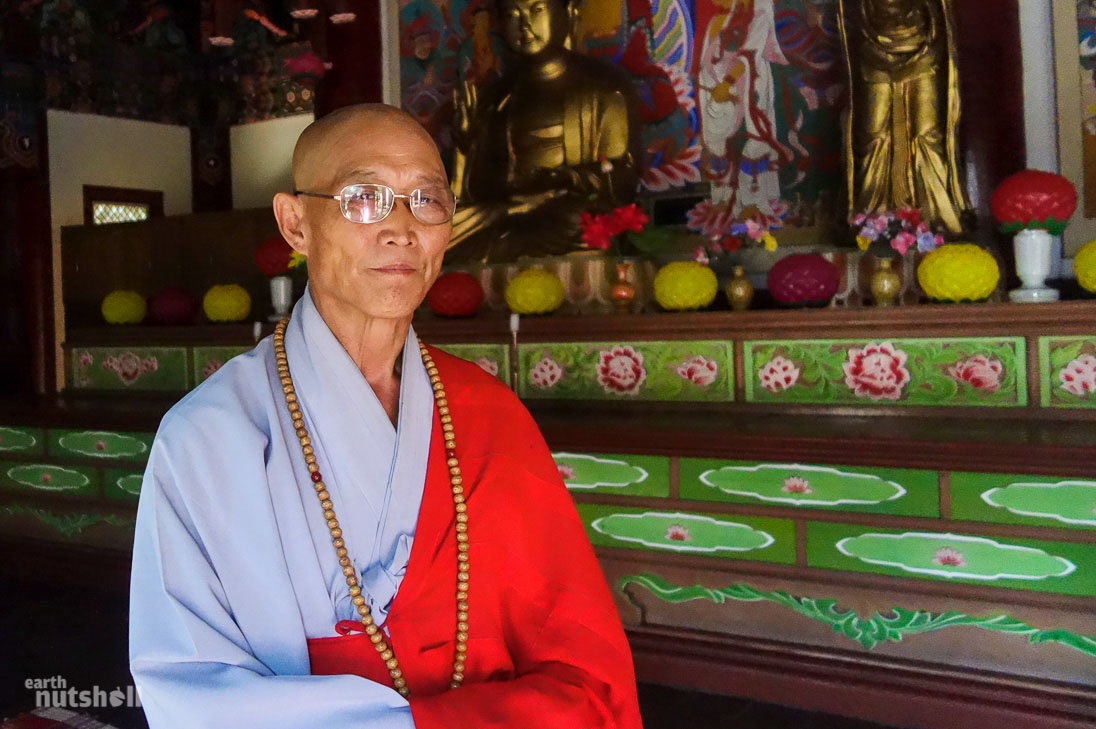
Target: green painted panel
{"points": [[715, 535], [119, 483], [208, 360], [1018, 499], [668, 371], [617, 474], [893, 625], [132, 368], [902, 491], [21, 440], [67, 524], [975, 371], [100, 444], [1067, 371], [493, 358], [49, 478], [1023, 564]]}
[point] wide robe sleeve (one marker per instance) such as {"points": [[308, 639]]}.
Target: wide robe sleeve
{"points": [[572, 667], [216, 637]]}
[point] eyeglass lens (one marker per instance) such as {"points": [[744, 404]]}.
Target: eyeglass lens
{"points": [[371, 203]]}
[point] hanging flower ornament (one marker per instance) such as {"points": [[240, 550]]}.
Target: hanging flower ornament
{"points": [[887, 233]]}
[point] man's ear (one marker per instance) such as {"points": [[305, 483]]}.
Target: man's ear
{"points": [[288, 210]]}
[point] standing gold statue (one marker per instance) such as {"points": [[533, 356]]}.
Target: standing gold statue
{"points": [[555, 134], [902, 128]]}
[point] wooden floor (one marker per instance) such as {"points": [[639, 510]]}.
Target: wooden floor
{"points": [[80, 634]]}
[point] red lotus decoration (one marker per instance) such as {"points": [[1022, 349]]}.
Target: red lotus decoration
{"points": [[455, 294], [1034, 199], [272, 256]]}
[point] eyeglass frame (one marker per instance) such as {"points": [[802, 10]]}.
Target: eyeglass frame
{"points": [[395, 196]]}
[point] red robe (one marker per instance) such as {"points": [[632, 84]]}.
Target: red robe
{"points": [[545, 645]]}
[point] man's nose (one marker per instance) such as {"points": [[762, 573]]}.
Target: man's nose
{"points": [[399, 224]]}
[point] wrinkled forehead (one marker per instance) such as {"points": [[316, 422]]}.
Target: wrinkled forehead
{"points": [[379, 142]]}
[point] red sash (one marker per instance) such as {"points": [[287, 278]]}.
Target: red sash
{"points": [[545, 640]]}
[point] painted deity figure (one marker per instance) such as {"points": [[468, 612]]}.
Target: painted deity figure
{"points": [[737, 98], [901, 141], [559, 130]]}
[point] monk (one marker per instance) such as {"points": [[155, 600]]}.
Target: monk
{"points": [[347, 528]]}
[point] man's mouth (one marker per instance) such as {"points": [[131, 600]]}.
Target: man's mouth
{"points": [[395, 268]]}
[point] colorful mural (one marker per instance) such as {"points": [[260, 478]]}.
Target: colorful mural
{"points": [[1086, 46], [742, 94]]}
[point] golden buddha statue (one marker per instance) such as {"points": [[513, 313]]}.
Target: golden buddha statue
{"points": [[558, 132], [902, 129]]}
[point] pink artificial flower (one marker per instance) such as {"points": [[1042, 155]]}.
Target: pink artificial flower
{"points": [[877, 371], [565, 471], [980, 372], [700, 255], [902, 242]]}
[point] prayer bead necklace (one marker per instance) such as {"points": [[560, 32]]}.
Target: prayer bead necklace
{"points": [[455, 480]]}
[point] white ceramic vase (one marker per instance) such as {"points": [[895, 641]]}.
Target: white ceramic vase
{"points": [[281, 296], [1034, 251]]}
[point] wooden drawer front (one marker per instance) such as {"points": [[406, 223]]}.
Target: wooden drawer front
{"points": [[123, 484], [672, 531], [1022, 564], [697, 371], [901, 491], [207, 360], [631, 475], [100, 444], [493, 358], [130, 368], [1067, 371], [952, 372], [14, 439], [1019, 499], [49, 478]]}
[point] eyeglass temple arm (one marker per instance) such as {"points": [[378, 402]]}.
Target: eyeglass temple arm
{"points": [[316, 194]]}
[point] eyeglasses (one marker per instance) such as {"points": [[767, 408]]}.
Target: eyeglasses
{"points": [[370, 203]]}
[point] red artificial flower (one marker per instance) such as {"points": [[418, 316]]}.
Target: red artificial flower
{"points": [[731, 243], [595, 231], [910, 216], [272, 257], [628, 218]]}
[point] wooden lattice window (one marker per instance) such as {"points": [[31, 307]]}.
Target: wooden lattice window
{"points": [[120, 204]]}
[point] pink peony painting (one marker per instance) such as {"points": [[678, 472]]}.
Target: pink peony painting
{"points": [[620, 370], [980, 372], [878, 371], [700, 371]]}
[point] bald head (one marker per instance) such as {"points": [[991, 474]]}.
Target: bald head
{"points": [[314, 150]]}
